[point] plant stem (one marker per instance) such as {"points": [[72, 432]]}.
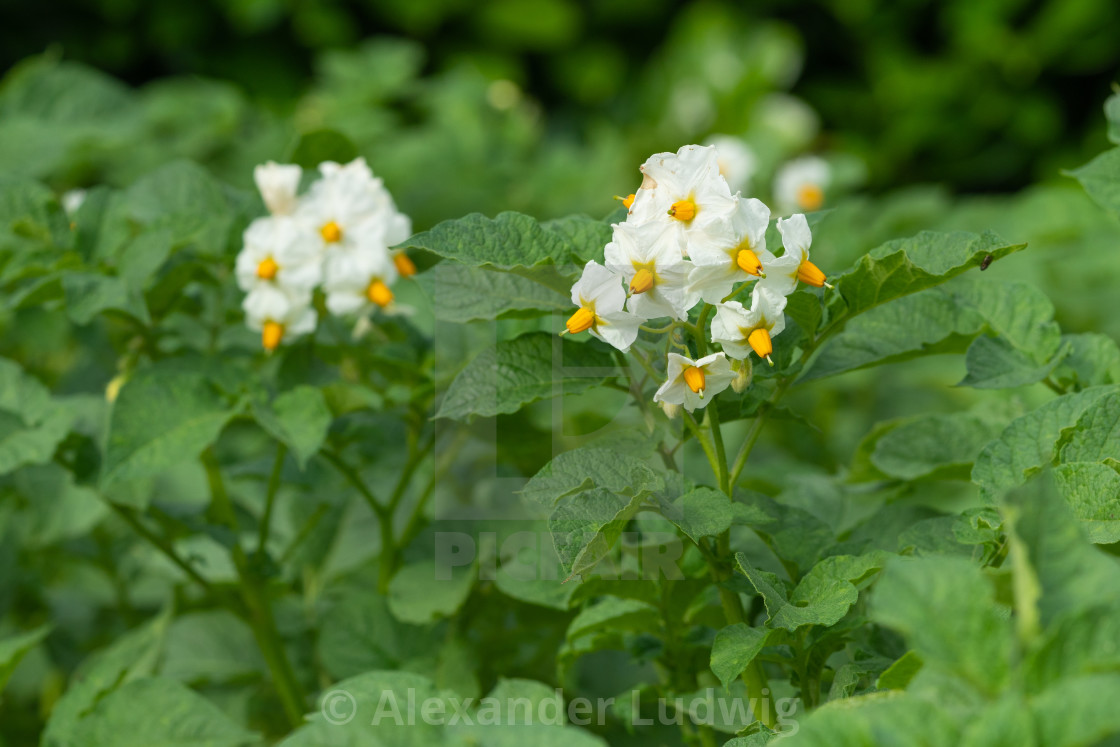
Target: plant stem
{"points": [[270, 498], [256, 599], [755, 432], [162, 545], [705, 444], [721, 455], [355, 479]]}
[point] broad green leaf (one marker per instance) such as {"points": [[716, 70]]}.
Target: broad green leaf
{"points": [[57, 508], [183, 199], [212, 646], [937, 446], [733, 650], [1028, 443], [1078, 711], [131, 656], [879, 719], [142, 257], [1093, 359], [971, 639], [994, 363], [898, 675], [30, 216], [1096, 435], [161, 416], [461, 293], [299, 418], [1101, 179], [1092, 490], [796, 536], [1001, 724], [376, 702], [845, 681], [905, 266], [421, 592], [575, 470], [768, 585], [513, 240], [613, 613], [585, 527], [701, 512], [822, 597], [160, 712], [21, 393], [31, 424], [511, 374], [14, 647], [533, 576], [90, 293], [359, 634], [1076, 645]]}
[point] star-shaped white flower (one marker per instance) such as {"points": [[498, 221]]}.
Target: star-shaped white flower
{"points": [[684, 190], [648, 256], [740, 330], [735, 252], [794, 265], [801, 184], [278, 251], [278, 184], [280, 316], [366, 287], [693, 383], [600, 298]]}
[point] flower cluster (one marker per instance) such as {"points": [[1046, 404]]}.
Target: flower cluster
{"points": [[688, 239], [335, 237]]}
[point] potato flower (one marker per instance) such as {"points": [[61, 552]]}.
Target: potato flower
{"points": [[801, 184], [737, 162], [278, 184], [279, 315], [693, 383], [735, 252], [278, 251], [793, 266], [365, 289], [648, 256], [739, 330], [600, 298]]}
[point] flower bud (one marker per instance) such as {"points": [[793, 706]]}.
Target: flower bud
{"points": [[671, 410], [742, 380]]}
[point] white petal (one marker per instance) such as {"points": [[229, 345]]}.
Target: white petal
{"points": [[278, 184]]}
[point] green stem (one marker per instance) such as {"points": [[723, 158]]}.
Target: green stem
{"points": [[754, 432], [159, 543], [355, 480], [721, 454], [705, 444], [270, 498], [256, 600]]}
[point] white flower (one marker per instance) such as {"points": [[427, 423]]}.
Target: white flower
{"points": [[600, 298], [365, 288], [694, 383], [279, 315], [735, 252], [684, 190], [649, 257], [801, 184], [794, 265], [278, 251], [737, 162], [72, 201], [278, 184], [739, 330], [357, 173]]}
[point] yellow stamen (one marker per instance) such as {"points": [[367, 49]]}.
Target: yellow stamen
{"points": [[271, 335], [405, 266], [749, 262], [267, 269], [642, 281], [379, 293], [683, 210], [760, 342], [331, 232], [810, 197], [581, 320], [810, 274], [694, 377], [628, 200]]}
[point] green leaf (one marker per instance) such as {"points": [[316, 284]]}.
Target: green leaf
{"points": [[57, 508], [1112, 113], [1078, 712], [90, 293], [971, 639], [31, 424], [511, 374], [933, 446], [767, 584], [1028, 443], [513, 240], [532, 576], [733, 650], [994, 363], [1093, 359], [886, 718], [1096, 435], [701, 512], [1101, 179], [14, 647], [184, 200], [212, 646], [1093, 492], [162, 416], [299, 418], [573, 471], [160, 711], [461, 293], [421, 592], [360, 634], [585, 528], [898, 675], [613, 613], [904, 266]]}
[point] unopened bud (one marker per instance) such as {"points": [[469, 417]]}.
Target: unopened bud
{"points": [[671, 410], [743, 377]]}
